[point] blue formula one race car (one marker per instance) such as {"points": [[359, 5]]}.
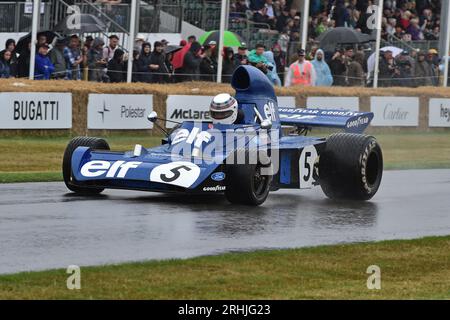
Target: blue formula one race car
{"points": [[250, 147]]}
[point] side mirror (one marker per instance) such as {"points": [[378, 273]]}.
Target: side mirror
{"points": [[266, 124], [152, 116]]}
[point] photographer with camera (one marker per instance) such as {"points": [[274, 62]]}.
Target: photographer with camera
{"points": [[387, 69], [404, 76], [257, 59], [338, 67]]}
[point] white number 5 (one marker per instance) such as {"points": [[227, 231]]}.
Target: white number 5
{"points": [[306, 167]]}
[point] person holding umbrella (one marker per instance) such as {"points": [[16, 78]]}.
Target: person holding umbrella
{"points": [[191, 62], [168, 67], [144, 63], [229, 64], [58, 59], [157, 58], [116, 67], [96, 63], [23, 62], [301, 73], [191, 39], [135, 69], [42, 39], [43, 65], [208, 67]]}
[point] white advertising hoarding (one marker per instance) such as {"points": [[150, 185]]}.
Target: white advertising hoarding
{"points": [[439, 113], [286, 102], [119, 111], [196, 108], [395, 111], [344, 103], [187, 108], [35, 110]]}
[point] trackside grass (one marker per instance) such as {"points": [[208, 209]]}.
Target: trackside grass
{"points": [[39, 159], [326, 272]]}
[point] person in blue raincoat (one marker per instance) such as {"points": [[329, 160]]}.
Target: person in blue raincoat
{"points": [[43, 66], [272, 70], [323, 72]]}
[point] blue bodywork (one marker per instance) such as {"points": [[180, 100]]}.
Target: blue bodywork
{"points": [[190, 159]]}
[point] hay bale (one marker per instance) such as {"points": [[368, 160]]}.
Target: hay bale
{"points": [[81, 89]]}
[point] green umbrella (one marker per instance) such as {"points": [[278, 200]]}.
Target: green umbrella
{"points": [[231, 39]]}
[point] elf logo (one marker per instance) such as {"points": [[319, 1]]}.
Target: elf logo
{"points": [[117, 169], [196, 136]]}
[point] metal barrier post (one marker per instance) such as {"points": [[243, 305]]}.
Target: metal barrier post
{"points": [[378, 43], [305, 16], [17, 17], [446, 49], [131, 40], [34, 28], [223, 12]]}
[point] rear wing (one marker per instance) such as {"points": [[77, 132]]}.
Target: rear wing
{"points": [[350, 121]]}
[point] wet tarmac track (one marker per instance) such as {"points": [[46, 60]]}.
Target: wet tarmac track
{"points": [[42, 226]]}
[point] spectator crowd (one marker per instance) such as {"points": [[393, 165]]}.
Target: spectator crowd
{"points": [[405, 19], [92, 59]]}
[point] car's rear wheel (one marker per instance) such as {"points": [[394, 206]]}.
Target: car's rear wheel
{"points": [[69, 180], [247, 184], [351, 166]]}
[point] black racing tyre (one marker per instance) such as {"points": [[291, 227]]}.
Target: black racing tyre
{"points": [[246, 185], [351, 166], [71, 183]]}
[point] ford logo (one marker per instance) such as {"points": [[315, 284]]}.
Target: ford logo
{"points": [[218, 176]]}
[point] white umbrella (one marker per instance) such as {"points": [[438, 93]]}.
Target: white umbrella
{"points": [[371, 61]]}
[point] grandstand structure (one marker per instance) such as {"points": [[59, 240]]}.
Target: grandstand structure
{"points": [[166, 16], [155, 16]]}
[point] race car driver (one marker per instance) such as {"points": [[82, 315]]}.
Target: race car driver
{"points": [[224, 110]]}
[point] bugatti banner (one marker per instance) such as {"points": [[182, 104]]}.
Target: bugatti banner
{"points": [[119, 111], [395, 111], [196, 108], [439, 113], [35, 110]]}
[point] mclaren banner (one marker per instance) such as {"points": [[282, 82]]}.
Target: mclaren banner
{"points": [[35, 110], [119, 111], [196, 108]]}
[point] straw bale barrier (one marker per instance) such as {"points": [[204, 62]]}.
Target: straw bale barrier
{"points": [[81, 89]]}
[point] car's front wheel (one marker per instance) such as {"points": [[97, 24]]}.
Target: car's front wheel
{"points": [[71, 183], [248, 184]]}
